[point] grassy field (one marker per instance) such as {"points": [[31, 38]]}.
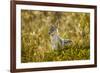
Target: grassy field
{"points": [[35, 40]]}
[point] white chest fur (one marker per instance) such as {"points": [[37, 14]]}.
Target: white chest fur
{"points": [[56, 42]]}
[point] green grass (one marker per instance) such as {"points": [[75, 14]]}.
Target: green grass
{"points": [[70, 54], [59, 55], [35, 40]]}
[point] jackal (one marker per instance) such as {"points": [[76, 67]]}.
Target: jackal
{"points": [[56, 41]]}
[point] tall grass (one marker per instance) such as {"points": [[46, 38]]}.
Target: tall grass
{"points": [[35, 40]]}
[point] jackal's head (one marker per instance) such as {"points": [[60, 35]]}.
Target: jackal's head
{"points": [[52, 30]]}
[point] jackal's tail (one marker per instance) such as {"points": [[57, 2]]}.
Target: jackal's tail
{"points": [[67, 41]]}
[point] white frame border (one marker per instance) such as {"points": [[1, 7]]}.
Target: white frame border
{"points": [[20, 65]]}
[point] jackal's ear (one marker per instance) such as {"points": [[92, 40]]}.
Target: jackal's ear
{"points": [[54, 26]]}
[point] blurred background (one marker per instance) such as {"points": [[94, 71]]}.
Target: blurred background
{"points": [[35, 40]]}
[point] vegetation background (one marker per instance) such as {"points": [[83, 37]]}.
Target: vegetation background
{"points": [[35, 40]]}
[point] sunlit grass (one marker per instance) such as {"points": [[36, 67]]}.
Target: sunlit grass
{"points": [[35, 40]]}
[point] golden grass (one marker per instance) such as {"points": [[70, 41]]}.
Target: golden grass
{"points": [[35, 40]]}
